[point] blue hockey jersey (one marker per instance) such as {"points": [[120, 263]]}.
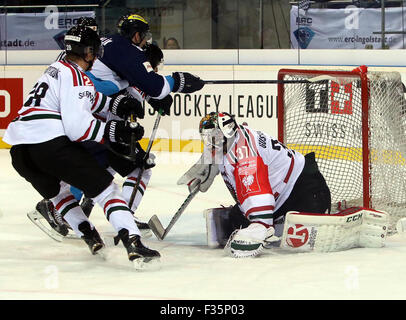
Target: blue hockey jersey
{"points": [[125, 61]]}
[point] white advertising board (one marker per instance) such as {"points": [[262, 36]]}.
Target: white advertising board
{"points": [[37, 31], [349, 28]]}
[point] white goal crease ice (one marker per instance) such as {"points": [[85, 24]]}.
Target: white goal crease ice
{"points": [[356, 126]]}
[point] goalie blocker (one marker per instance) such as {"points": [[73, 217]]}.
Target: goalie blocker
{"points": [[305, 232]]}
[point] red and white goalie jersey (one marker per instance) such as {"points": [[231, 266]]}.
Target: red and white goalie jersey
{"points": [[260, 172], [62, 101]]}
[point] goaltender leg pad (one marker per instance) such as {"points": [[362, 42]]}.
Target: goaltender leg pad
{"points": [[353, 227]]}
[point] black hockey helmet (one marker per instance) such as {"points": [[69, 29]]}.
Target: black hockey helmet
{"points": [[88, 22], [154, 54], [81, 40], [130, 24], [120, 22]]}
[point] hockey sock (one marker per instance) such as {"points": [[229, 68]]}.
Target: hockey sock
{"points": [[116, 209], [68, 207], [129, 184]]}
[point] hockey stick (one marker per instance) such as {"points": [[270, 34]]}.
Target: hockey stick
{"points": [[156, 225], [151, 140], [133, 125], [310, 80]]}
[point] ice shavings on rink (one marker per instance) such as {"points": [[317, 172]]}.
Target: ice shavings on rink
{"points": [[32, 266]]}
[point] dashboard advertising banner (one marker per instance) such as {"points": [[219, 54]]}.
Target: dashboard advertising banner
{"points": [[37, 31], [349, 28]]}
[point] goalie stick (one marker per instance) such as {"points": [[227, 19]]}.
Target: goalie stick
{"points": [[156, 225]]}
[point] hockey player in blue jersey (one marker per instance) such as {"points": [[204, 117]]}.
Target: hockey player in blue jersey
{"points": [[124, 58]]}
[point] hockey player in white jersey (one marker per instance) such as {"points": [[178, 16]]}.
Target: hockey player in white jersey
{"points": [[127, 169], [265, 178], [56, 115]]}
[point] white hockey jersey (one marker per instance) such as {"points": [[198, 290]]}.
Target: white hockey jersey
{"points": [[60, 104], [260, 173]]}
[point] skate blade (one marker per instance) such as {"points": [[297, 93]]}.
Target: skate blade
{"points": [[147, 264], [37, 219]]}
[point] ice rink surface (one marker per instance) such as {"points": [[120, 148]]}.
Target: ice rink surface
{"points": [[32, 266]]}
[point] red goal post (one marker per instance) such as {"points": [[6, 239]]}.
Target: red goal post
{"points": [[355, 122]]}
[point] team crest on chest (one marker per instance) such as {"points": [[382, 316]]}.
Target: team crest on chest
{"points": [[247, 176]]}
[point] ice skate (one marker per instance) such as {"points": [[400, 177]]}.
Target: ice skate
{"points": [[56, 227], [91, 237], [137, 252]]}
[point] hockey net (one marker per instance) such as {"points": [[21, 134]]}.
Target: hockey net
{"points": [[355, 123]]}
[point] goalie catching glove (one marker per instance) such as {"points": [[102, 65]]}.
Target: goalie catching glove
{"points": [[121, 131], [250, 241], [124, 106], [186, 82]]}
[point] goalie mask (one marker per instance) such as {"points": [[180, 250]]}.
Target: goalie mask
{"points": [[216, 127]]}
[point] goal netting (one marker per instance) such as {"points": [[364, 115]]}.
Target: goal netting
{"points": [[355, 122]]}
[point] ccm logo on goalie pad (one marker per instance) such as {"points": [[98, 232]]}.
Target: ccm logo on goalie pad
{"points": [[354, 217], [298, 235]]}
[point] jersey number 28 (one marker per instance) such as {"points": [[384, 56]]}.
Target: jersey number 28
{"points": [[36, 94]]}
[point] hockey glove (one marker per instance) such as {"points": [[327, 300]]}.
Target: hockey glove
{"points": [[163, 105], [142, 160], [186, 82], [149, 162], [154, 55], [123, 106], [121, 131]]}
